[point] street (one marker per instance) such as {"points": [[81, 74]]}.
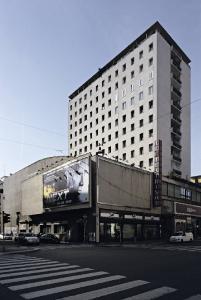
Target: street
{"points": [[83, 272]]}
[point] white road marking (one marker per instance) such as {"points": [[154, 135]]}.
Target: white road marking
{"points": [[69, 287], [106, 291], [10, 266], [37, 271], [17, 261], [152, 294], [195, 297], [27, 278], [40, 266], [53, 281]]}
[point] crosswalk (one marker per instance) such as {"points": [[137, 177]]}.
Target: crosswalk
{"points": [[168, 247], [38, 278]]}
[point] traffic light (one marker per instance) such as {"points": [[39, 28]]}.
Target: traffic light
{"points": [[6, 218]]}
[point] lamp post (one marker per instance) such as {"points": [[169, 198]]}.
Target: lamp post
{"points": [[84, 217]]}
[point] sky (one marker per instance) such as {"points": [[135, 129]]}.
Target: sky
{"points": [[48, 48]]}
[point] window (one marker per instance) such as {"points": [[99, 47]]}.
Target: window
{"points": [[132, 74], [150, 104], [103, 129], [124, 144], [90, 92], [132, 101], [80, 110], [96, 110], [141, 54], [140, 82], [124, 105], [132, 126], [151, 132], [96, 121], [96, 99], [80, 141], [109, 137], [123, 92], [141, 164], [85, 128], [109, 114], [103, 141], [141, 95], [96, 88], [124, 67], [85, 117], [109, 90], [132, 113], [116, 134], [151, 162], [85, 107], [124, 130], [116, 110], [124, 80], [109, 126], [124, 156], [150, 147], [75, 133], [116, 85], [124, 118], [109, 78], [80, 100], [151, 61], [141, 137], [140, 68], [103, 106], [132, 60], [132, 153], [75, 113], [85, 96], [96, 132], [116, 146], [151, 47], [90, 146], [71, 126], [141, 109], [80, 121], [132, 87], [103, 83], [109, 102], [150, 118], [150, 90], [75, 104], [103, 117], [132, 140], [90, 125], [90, 135], [90, 103], [97, 143], [141, 150], [71, 146], [151, 75], [80, 151], [71, 117], [116, 122], [141, 122], [75, 123], [116, 73], [71, 107], [109, 149], [85, 138], [75, 143], [103, 94]]}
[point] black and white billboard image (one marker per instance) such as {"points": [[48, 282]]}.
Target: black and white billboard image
{"points": [[67, 185]]}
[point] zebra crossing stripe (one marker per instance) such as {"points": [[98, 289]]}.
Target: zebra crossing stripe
{"points": [[152, 294], [27, 278], [17, 261], [38, 266], [37, 271], [24, 265], [106, 291], [53, 281], [195, 297], [69, 287]]}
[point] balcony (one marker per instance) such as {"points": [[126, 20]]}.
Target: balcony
{"points": [[176, 158], [176, 63], [176, 91], [175, 106], [175, 97], [176, 146], [176, 132], [175, 71], [176, 173]]}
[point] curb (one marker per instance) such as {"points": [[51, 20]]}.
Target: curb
{"points": [[19, 251]]}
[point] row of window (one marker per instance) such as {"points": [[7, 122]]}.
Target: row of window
{"points": [[116, 86], [116, 109]]}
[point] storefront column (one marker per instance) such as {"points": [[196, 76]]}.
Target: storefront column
{"points": [[97, 225]]}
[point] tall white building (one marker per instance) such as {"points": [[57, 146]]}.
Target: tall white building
{"points": [[138, 98]]}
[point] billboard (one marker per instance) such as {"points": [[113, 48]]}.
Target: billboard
{"points": [[67, 185]]}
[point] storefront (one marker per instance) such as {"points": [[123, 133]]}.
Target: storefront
{"points": [[128, 227]]}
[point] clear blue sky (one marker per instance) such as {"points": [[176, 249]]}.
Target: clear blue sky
{"points": [[50, 47]]}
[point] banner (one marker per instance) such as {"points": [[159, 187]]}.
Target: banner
{"points": [[67, 185]]}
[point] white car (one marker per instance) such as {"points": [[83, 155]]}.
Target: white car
{"points": [[27, 238], [6, 236], [181, 237]]}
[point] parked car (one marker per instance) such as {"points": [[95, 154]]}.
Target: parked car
{"points": [[27, 239], [7, 236], [49, 238], [181, 237]]}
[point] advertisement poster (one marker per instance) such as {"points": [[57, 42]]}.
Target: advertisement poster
{"points": [[68, 185]]}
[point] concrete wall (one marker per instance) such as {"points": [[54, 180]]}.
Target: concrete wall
{"points": [[123, 186]]}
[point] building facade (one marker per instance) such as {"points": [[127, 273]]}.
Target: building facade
{"points": [[138, 98]]}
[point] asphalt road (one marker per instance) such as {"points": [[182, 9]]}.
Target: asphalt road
{"points": [[160, 271]]}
